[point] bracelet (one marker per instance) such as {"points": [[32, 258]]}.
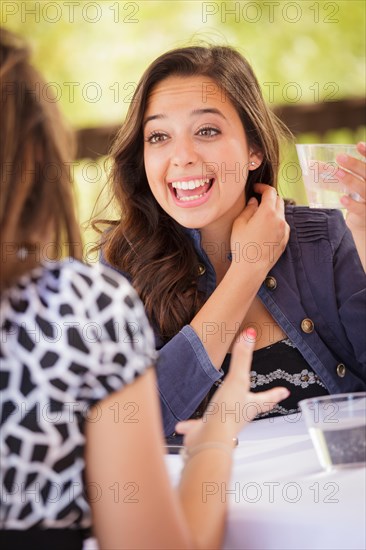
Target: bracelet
{"points": [[187, 453]]}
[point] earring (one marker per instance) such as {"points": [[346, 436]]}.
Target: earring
{"points": [[252, 163], [22, 253]]}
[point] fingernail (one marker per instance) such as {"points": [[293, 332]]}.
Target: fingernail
{"points": [[342, 158], [285, 393], [250, 334], [252, 201]]}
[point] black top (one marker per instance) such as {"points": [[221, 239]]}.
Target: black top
{"points": [[281, 364]]}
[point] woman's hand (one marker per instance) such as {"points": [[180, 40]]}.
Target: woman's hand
{"points": [[355, 180], [233, 405], [260, 232]]}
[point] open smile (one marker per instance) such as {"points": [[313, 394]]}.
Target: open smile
{"points": [[191, 192]]}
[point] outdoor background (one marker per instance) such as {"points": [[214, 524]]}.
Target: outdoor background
{"points": [[93, 54]]}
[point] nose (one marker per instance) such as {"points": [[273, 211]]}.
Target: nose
{"points": [[184, 152]]}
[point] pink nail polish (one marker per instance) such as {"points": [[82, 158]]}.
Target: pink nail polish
{"points": [[342, 158], [251, 334]]}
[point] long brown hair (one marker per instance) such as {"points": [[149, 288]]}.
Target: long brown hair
{"points": [[37, 212], [146, 243]]}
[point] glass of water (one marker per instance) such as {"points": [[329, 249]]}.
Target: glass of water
{"points": [[318, 166], [337, 426]]}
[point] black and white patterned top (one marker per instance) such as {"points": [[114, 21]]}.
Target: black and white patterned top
{"points": [[71, 334]]}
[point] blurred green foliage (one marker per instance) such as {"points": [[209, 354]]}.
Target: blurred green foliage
{"points": [[94, 53]]}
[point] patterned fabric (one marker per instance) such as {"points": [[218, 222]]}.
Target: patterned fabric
{"points": [[70, 335], [281, 364]]}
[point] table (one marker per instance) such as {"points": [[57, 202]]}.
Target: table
{"points": [[279, 498]]}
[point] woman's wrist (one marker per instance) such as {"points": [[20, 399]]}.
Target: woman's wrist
{"points": [[187, 453], [247, 275]]}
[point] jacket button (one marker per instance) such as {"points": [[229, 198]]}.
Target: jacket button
{"points": [[307, 326], [270, 282], [201, 269], [341, 370]]}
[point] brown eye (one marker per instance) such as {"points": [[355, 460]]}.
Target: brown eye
{"points": [[208, 131], [156, 137]]}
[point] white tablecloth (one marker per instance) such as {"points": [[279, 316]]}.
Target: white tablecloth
{"points": [[280, 498]]}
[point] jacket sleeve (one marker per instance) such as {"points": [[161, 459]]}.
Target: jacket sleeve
{"points": [[185, 375], [350, 287], [338, 286]]}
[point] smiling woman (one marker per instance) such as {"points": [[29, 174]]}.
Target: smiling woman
{"points": [[165, 251], [70, 466], [211, 248], [196, 157]]}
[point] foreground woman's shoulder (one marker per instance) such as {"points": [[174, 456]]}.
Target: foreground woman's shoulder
{"points": [[87, 280]]}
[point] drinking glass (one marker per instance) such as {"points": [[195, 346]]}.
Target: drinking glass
{"points": [[337, 426], [318, 165]]}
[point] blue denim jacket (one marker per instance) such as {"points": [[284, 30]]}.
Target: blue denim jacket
{"points": [[316, 293]]}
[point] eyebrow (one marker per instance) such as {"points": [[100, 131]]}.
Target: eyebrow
{"points": [[195, 112]]}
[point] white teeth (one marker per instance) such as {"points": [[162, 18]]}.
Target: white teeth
{"points": [[190, 198], [191, 184]]}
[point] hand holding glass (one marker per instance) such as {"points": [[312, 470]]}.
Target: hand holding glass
{"points": [[319, 169]]}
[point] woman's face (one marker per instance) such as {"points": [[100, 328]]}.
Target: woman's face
{"points": [[196, 152]]}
